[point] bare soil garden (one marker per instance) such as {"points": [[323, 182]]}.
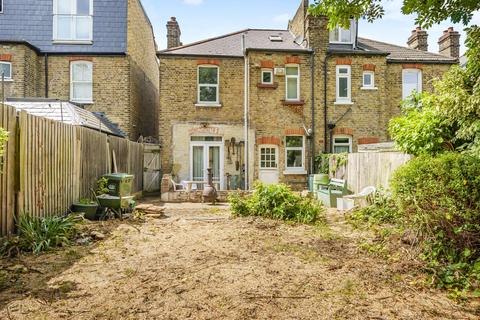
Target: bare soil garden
{"points": [[197, 262]]}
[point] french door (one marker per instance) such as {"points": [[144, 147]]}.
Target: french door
{"points": [[204, 154]]}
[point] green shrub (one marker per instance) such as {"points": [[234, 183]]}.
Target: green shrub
{"points": [[440, 199], [382, 210], [42, 234], [277, 202]]}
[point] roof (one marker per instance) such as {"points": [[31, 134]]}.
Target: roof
{"points": [[66, 112], [230, 45], [403, 54]]}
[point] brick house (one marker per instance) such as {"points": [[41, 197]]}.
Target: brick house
{"points": [[98, 54], [260, 104]]}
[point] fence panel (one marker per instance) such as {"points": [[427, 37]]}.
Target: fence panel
{"points": [[372, 169], [136, 164], [8, 121]]}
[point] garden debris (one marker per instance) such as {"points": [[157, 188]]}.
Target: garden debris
{"points": [[97, 235]]}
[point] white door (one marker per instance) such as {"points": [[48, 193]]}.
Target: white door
{"points": [[268, 164], [204, 155]]}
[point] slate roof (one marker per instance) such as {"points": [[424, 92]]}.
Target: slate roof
{"points": [[230, 45], [66, 112], [403, 54]]}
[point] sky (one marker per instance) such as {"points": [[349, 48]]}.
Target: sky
{"points": [[202, 19]]}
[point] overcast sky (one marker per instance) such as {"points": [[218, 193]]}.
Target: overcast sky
{"points": [[201, 19]]}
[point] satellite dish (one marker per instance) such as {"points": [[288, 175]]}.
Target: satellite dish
{"points": [[299, 40]]}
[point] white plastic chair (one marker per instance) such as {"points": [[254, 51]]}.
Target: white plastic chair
{"points": [[361, 199]]}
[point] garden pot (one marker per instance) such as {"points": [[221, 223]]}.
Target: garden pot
{"points": [[90, 210]]}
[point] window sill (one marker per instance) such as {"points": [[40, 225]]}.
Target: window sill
{"points": [[368, 88], [343, 103], [208, 105], [267, 85], [6, 80], [293, 102], [72, 42], [82, 102], [295, 172]]}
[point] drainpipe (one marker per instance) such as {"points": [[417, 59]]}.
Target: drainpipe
{"points": [[325, 106], [246, 109], [46, 75], [312, 135]]}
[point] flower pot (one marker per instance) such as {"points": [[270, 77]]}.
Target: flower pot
{"points": [[90, 210]]}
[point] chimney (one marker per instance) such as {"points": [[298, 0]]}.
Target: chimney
{"points": [[449, 43], [418, 39], [173, 33]]}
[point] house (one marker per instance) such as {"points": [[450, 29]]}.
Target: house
{"points": [[97, 54], [261, 104]]}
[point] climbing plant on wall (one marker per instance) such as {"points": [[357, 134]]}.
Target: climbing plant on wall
{"points": [[3, 142]]}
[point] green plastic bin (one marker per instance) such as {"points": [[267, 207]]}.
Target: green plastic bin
{"points": [[119, 184]]}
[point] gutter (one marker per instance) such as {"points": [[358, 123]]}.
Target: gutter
{"points": [[312, 135], [46, 75]]}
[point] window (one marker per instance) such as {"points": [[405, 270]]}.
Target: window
{"points": [[368, 79], [344, 83], [6, 70], [292, 81], [72, 20], [81, 86], [268, 158], [412, 81], [1, 6], [342, 144], [294, 153], [340, 35], [208, 85], [267, 77]]}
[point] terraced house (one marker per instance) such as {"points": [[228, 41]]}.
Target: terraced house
{"points": [[98, 54], [260, 104]]}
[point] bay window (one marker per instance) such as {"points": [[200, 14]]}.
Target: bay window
{"points": [[344, 84], [292, 80], [295, 153], [411, 82], [72, 20], [5, 70], [208, 85], [81, 82]]}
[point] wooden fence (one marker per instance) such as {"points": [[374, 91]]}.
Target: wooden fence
{"points": [[48, 165], [371, 169]]}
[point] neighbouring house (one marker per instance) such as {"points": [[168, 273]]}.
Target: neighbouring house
{"points": [[261, 104], [98, 54]]}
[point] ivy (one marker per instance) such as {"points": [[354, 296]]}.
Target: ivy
{"points": [[3, 142]]}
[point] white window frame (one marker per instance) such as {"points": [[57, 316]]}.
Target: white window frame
{"points": [[292, 77], [268, 146], [419, 83], [81, 101], [267, 71], [73, 15], [348, 75], [1, 6], [217, 86], [295, 170], [372, 82], [9, 78], [349, 144], [340, 30]]}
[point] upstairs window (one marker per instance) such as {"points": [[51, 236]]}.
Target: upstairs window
{"points": [[340, 35], [72, 20], [292, 81], [295, 153], [411, 82], [267, 76], [208, 84], [5, 70], [368, 79], [344, 84], [81, 82]]}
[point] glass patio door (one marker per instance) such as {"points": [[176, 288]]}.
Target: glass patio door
{"points": [[204, 155]]}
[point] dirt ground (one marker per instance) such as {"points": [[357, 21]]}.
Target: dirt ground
{"points": [[199, 263]]}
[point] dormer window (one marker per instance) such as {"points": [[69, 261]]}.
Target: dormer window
{"points": [[340, 35], [73, 21]]}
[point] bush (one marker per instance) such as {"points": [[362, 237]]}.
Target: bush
{"points": [[42, 234], [382, 210], [277, 202], [440, 199]]}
